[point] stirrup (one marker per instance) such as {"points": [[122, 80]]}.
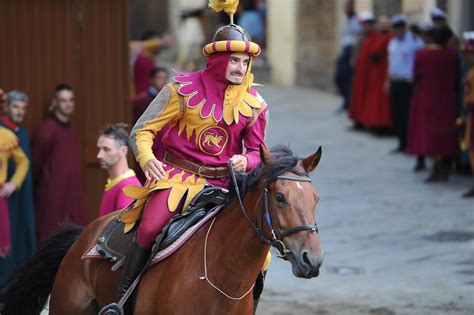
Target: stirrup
{"points": [[111, 309]]}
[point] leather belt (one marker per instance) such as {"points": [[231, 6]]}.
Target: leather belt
{"points": [[201, 170]]}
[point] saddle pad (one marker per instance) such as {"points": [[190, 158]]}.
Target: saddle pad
{"points": [[93, 253]]}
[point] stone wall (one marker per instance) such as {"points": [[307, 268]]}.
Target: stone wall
{"points": [[387, 7], [317, 42]]}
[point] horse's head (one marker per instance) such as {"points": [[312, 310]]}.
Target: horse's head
{"points": [[291, 201]]}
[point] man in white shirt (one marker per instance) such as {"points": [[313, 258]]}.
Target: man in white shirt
{"points": [[401, 55]]}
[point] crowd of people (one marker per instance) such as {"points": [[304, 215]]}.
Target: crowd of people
{"points": [[43, 184], [414, 81]]}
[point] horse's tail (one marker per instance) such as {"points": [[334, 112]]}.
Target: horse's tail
{"points": [[32, 283]]}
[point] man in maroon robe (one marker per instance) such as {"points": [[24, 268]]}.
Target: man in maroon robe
{"points": [[58, 185], [434, 104], [158, 78]]}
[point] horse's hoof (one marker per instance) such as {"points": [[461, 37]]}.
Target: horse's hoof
{"points": [[111, 309]]}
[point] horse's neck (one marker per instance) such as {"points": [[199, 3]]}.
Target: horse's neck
{"points": [[241, 254]]}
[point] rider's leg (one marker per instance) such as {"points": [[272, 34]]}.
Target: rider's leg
{"points": [[155, 216]]}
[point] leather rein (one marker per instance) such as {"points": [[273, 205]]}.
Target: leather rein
{"points": [[268, 214]]}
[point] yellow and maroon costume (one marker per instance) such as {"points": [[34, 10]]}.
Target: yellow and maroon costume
{"points": [[209, 121], [203, 121], [9, 148]]}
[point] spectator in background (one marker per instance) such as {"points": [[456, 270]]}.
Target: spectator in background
{"points": [[190, 37], [57, 169], [344, 69], [144, 60], [360, 87], [369, 99], [113, 144], [376, 112], [158, 78], [20, 203], [468, 51], [401, 55], [9, 149], [439, 18], [251, 19], [426, 33], [434, 110]]}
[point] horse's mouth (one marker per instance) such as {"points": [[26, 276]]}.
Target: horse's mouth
{"points": [[303, 270]]}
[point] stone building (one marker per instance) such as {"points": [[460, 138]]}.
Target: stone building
{"points": [[303, 35]]}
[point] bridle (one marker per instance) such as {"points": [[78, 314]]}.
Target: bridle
{"points": [[268, 214]]}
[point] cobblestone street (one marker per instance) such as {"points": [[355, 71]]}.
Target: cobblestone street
{"points": [[393, 244]]}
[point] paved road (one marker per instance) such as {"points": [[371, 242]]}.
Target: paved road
{"points": [[376, 217]]}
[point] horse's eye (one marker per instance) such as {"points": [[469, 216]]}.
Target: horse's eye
{"points": [[279, 197]]}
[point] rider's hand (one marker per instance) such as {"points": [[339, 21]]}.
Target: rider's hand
{"points": [[239, 162], [154, 170], [7, 189]]}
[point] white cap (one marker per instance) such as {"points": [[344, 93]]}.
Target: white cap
{"points": [[366, 16], [438, 13], [398, 19]]}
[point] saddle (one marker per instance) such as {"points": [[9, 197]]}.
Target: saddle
{"points": [[113, 243]]}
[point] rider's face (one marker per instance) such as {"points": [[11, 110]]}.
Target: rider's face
{"points": [[237, 67]]}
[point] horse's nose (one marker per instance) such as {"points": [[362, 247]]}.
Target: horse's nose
{"points": [[311, 262]]}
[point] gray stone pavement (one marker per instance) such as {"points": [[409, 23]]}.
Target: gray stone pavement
{"points": [[375, 219]]}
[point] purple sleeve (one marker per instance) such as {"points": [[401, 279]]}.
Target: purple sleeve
{"points": [[254, 138]]}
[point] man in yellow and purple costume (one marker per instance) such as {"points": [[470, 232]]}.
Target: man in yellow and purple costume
{"points": [[213, 116]]}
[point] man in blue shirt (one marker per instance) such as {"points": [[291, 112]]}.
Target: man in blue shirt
{"points": [[401, 55]]}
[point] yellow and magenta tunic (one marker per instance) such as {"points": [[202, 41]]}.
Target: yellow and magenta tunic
{"points": [[9, 148]]}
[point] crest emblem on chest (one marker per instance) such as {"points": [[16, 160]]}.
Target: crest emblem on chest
{"points": [[213, 140]]}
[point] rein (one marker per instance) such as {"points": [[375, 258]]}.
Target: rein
{"points": [[269, 213]]}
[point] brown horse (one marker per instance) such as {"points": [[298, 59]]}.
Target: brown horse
{"points": [[216, 269]]}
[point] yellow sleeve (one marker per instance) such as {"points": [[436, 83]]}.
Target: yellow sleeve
{"points": [[162, 110], [21, 166]]}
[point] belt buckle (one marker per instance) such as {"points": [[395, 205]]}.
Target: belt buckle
{"points": [[201, 167]]}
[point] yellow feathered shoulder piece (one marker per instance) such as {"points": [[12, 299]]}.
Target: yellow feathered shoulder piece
{"points": [[229, 6], [8, 139]]}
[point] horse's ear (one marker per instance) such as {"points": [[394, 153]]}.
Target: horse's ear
{"points": [[311, 162], [265, 155]]}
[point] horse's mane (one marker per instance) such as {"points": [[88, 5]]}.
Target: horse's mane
{"points": [[285, 161]]}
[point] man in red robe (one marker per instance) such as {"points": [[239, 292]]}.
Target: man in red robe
{"points": [[58, 185], [158, 78], [368, 56], [376, 112]]}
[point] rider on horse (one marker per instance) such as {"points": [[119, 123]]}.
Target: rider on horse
{"points": [[211, 115]]}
